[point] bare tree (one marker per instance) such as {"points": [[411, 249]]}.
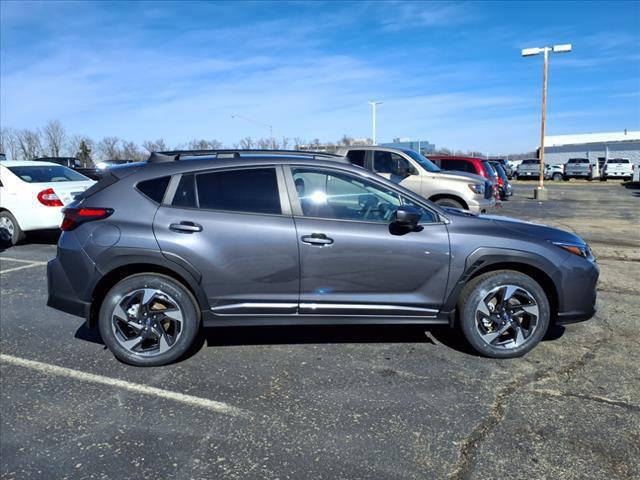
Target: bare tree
{"points": [[204, 145], [246, 143], [284, 144], [30, 143], [131, 151], [75, 141], [10, 143], [346, 141], [158, 145], [54, 137], [109, 149]]}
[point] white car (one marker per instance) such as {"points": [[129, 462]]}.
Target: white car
{"points": [[32, 195]]}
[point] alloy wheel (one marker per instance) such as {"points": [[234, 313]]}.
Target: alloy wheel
{"points": [[147, 322], [507, 316]]}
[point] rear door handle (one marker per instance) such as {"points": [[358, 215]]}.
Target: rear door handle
{"points": [[317, 239], [185, 227]]}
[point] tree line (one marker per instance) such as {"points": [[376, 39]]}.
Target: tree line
{"points": [[53, 140]]}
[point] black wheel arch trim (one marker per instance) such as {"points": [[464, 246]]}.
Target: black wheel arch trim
{"points": [[118, 257], [485, 257]]}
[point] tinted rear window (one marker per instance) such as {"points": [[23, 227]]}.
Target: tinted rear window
{"points": [[618, 160], [252, 190], [154, 188], [530, 162], [578, 160], [47, 174]]}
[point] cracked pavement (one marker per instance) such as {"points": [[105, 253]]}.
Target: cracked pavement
{"points": [[340, 402]]}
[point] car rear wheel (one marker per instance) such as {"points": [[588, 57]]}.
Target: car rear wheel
{"points": [[449, 202], [557, 177], [10, 224], [503, 314], [149, 320]]}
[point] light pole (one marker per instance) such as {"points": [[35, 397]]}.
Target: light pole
{"points": [[270, 127], [540, 193], [373, 120]]}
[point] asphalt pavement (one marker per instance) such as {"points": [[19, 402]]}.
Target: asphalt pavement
{"points": [[379, 402]]}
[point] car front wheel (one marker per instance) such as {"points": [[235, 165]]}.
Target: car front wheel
{"points": [[149, 320], [503, 314], [449, 202]]}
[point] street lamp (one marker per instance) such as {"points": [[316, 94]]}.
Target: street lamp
{"points": [[270, 127], [540, 193], [373, 120]]}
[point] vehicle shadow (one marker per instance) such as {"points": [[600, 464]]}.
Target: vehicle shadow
{"points": [[324, 334]]}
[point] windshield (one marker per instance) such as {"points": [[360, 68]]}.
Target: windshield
{"points": [[47, 174], [424, 162]]}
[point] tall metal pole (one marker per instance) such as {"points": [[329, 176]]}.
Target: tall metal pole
{"points": [[373, 120], [373, 123], [544, 115]]}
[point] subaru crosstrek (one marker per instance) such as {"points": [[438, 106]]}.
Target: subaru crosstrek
{"points": [[157, 249]]}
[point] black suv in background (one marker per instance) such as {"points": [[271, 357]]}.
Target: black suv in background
{"points": [[278, 238], [75, 164]]}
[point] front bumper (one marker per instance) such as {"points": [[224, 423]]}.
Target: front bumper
{"points": [[482, 205], [578, 291]]}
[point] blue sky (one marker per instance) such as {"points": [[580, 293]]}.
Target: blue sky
{"points": [[450, 73]]}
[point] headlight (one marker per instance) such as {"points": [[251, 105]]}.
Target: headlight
{"points": [[580, 249], [477, 187]]}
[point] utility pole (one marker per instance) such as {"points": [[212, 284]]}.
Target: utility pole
{"points": [[540, 193], [373, 120]]}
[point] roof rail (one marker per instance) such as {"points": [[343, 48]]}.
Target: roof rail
{"points": [[173, 155]]}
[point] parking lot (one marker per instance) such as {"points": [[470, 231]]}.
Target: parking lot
{"points": [[335, 402]]}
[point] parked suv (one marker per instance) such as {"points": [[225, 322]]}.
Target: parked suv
{"points": [[529, 168], [75, 164], [478, 166], [289, 238], [415, 172], [578, 168], [617, 168], [505, 189]]}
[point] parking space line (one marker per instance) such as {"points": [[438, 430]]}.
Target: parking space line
{"points": [[11, 259], [212, 405], [31, 265]]}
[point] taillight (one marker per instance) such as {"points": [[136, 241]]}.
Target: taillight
{"points": [[48, 198], [590, 167], [500, 181], [75, 216]]}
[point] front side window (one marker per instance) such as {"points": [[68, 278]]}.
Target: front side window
{"points": [[250, 190], [337, 195]]}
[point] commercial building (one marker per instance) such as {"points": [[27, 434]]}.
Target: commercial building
{"points": [[422, 146], [597, 147]]}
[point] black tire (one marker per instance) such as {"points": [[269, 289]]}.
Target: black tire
{"points": [[557, 177], [473, 293], [566, 178], [603, 179], [190, 324], [17, 236], [449, 202]]}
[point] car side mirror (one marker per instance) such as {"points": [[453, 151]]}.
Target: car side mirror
{"points": [[407, 217]]}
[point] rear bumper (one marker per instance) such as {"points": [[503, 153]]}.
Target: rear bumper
{"points": [[62, 296]]}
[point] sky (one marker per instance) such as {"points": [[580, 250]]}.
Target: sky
{"points": [[447, 72]]}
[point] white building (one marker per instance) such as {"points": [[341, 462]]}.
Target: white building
{"points": [[597, 147]]}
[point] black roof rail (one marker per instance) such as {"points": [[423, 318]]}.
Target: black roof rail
{"points": [[173, 155]]}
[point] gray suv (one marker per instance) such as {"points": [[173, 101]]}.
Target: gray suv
{"points": [[157, 249]]}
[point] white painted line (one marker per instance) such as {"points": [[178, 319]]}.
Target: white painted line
{"points": [[39, 264], [212, 405], [11, 259]]}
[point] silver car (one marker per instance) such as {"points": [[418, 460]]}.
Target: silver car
{"points": [[578, 168], [529, 168]]}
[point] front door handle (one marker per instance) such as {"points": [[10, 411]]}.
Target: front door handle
{"points": [[317, 239], [185, 227]]}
